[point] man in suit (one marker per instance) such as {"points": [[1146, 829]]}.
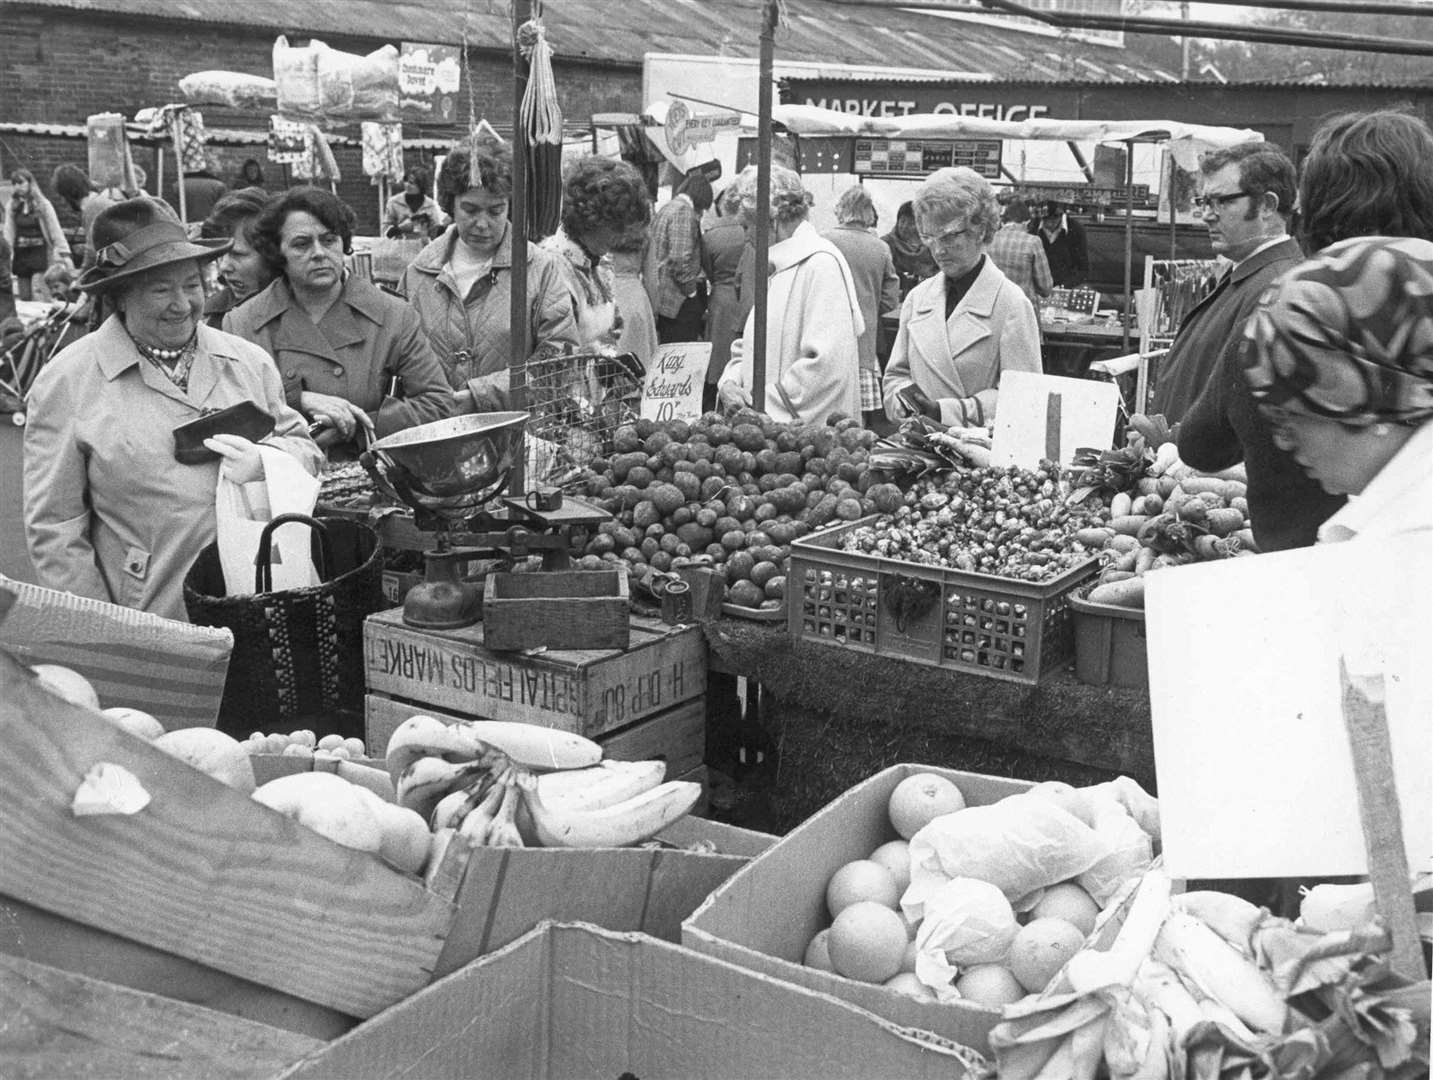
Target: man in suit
{"points": [[1246, 200]]}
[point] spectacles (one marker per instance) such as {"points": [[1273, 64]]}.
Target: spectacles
{"points": [[940, 237], [1218, 202]]}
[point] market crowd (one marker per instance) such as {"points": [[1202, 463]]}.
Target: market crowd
{"points": [[1311, 361]]}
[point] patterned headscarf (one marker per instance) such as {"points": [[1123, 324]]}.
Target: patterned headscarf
{"points": [[1348, 334]]}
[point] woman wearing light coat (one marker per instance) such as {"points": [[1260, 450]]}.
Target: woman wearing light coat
{"points": [[814, 318], [109, 513], [961, 330]]}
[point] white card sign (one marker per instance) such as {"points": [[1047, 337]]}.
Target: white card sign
{"points": [[676, 375], [1251, 750], [1046, 416]]}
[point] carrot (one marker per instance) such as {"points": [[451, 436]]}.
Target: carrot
{"points": [[1126, 593], [1121, 543], [1204, 547], [1211, 500], [1175, 499], [1235, 489], [1139, 505], [1115, 575], [1247, 541], [1125, 563], [1166, 487], [1239, 503], [1120, 505], [1153, 504], [1128, 524], [1225, 522], [1144, 560], [1196, 485], [1147, 485], [1094, 538]]}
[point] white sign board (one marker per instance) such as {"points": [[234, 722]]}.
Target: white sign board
{"points": [[676, 374], [1046, 416], [1251, 751]]}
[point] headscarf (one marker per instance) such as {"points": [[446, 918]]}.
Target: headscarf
{"points": [[1348, 334]]}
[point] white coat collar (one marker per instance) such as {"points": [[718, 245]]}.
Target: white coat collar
{"points": [[797, 247]]}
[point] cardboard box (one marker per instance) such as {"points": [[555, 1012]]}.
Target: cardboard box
{"points": [[766, 914], [60, 1025], [170, 669], [557, 609], [589, 691], [573, 1001], [507, 892], [203, 871]]}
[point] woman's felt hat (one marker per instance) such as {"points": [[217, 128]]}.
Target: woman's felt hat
{"points": [[137, 235]]}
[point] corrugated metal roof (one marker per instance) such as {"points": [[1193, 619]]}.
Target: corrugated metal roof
{"points": [[1130, 78], [620, 32]]}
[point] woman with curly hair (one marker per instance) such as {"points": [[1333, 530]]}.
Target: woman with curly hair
{"points": [[604, 201], [814, 315], [461, 283], [350, 355]]}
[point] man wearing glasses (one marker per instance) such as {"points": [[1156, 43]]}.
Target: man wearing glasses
{"points": [[1246, 201]]}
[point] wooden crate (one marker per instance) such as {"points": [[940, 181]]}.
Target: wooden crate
{"points": [[588, 691], [556, 609], [677, 736], [203, 872]]}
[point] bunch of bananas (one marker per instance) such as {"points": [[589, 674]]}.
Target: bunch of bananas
{"points": [[503, 784]]}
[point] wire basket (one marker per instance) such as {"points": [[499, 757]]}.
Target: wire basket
{"points": [[576, 402]]}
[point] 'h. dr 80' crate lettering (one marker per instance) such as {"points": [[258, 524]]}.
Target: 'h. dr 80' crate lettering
{"points": [[587, 691]]}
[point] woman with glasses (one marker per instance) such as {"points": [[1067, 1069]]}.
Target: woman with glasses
{"points": [[960, 329], [1339, 359]]}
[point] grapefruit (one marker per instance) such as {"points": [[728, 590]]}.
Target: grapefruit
{"points": [[905, 982], [920, 799], [134, 721], [895, 857], [68, 684], [867, 942], [222, 757], [1069, 902], [989, 984], [861, 880], [1040, 949], [818, 953]]}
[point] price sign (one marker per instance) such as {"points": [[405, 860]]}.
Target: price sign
{"points": [[672, 389], [1045, 416], [921, 157]]}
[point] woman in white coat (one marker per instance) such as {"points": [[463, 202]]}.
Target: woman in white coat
{"points": [[813, 321], [962, 328]]}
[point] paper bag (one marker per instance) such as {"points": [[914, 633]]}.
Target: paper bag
{"points": [[242, 510]]}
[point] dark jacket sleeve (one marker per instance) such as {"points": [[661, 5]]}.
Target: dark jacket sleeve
{"points": [[1207, 439]]}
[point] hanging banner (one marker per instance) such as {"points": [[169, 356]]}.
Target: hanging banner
{"points": [[672, 389], [428, 80], [686, 129]]}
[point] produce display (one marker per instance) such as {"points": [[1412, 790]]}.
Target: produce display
{"points": [[983, 904], [1009, 522], [307, 744], [345, 485], [729, 493], [1162, 513]]}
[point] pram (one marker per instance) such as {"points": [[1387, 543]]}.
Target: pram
{"points": [[22, 361]]}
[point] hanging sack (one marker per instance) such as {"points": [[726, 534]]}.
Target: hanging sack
{"points": [[298, 653]]}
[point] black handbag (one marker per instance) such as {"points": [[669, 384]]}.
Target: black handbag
{"points": [[298, 653]]}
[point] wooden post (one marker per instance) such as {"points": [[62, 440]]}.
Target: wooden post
{"points": [[177, 134], [763, 207], [517, 306]]}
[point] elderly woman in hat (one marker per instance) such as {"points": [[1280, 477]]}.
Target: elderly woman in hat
{"points": [[1339, 359], [109, 512], [814, 321]]}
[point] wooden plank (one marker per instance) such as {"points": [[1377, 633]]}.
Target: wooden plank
{"points": [[586, 691], [203, 871], [32, 934], [677, 736], [60, 1025], [564, 610]]}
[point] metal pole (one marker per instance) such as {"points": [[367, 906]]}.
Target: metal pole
{"points": [[177, 135], [763, 206], [1173, 179], [517, 305], [1129, 242]]}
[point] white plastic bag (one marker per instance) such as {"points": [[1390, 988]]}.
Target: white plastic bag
{"points": [[966, 922], [1020, 844], [241, 511]]}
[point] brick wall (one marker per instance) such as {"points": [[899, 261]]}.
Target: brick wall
{"points": [[59, 66]]}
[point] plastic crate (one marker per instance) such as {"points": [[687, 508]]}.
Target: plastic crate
{"points": [[1109, 644], [1001, 627]]}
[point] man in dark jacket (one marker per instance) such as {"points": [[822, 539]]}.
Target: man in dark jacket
{"points": [[1065, 248]]}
